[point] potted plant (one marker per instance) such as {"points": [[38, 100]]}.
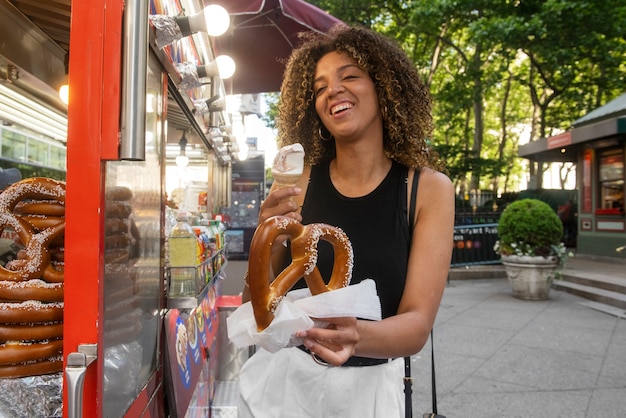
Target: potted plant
{"points": [[530, 246]]}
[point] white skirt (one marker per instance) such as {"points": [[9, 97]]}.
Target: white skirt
{"points": [[290, 384]]}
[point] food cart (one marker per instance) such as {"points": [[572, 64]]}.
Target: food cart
{"points": [[128, 349], [139, 99], [137, 352]]}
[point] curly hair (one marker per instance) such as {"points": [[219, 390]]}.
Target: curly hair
{"points": [[404, 99]]}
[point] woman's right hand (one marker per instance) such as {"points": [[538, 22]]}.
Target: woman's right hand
{"points": [[280, 202]]}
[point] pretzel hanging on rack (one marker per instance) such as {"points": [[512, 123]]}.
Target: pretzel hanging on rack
{"points": [[31, 332], [12, 353], [36, 262], [45, 366]]}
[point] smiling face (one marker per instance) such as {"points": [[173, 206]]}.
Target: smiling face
{"points": [[345, 98]]}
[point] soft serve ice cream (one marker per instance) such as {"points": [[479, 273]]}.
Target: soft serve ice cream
{"points": [[288, 165]]}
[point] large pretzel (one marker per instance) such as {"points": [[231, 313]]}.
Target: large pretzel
{"points": [[47, 208], [30, 332], [47, 366], [264, 295], [30, 311], [25, 352], [37, 260], [34, 289]]}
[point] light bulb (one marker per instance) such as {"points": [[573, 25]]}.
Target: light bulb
{"points": [[213, 19], [182, 161], [64, 93], [217, 19], [225, 66], [222, 66]]}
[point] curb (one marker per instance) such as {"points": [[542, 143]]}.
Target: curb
{"points": [[495, 271]]}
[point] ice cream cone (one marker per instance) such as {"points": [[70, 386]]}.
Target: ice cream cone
{"points": [[288, 166]]}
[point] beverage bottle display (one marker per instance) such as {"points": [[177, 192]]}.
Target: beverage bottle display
{"points": [[206, 272], [216, 239], [183, 257]]}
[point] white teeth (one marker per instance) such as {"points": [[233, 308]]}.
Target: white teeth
{"points": [[340, 107]]}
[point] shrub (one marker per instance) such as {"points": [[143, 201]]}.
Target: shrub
{"points": [[529, 227]]}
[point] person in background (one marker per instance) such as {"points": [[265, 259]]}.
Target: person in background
{"points": [[8, 176], [8, 246], [356, 103]]}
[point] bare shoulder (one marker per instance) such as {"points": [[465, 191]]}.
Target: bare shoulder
{"points": [[435, 197], [433, 183]]}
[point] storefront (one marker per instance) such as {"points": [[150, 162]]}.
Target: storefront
{"points": [[597, 144]]}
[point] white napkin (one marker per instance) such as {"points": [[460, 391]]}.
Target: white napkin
{"points": [[294, 314]]}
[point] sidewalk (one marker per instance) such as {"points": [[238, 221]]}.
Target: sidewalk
{"points": [[497, 356], [500, 357]]}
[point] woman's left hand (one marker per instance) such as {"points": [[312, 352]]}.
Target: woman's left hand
{"points": [[334, 344]]}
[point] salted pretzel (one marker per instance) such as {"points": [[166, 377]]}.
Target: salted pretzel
{"points": [[40, 222], [47, 366], [23, 352], [30, 332], [30, 311], [34, 289], [41, 207], [266, 296], [37, 258]]}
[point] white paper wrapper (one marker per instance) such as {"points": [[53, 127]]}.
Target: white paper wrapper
{"points": [[294, 314]]}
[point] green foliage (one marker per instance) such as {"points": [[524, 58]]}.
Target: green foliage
{"points": [[531, 224], [269, 118], [502, 71]]}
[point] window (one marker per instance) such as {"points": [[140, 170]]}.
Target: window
{"points": [[37, 152], [611, 177], [58, 157], [34, 150], [13, 145]]}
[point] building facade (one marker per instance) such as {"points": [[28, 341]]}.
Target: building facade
{"points": [[597, 144]]}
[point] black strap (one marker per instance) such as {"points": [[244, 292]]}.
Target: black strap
{"points": [[408, 382], [413, 197], [408, 388], [432, 363]]}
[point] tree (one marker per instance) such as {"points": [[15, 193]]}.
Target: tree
{"points": [[572, 71], [466, 56], [269, 118], [495, 68]]}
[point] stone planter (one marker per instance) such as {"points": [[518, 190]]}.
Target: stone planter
{"points": [[530, 277]]}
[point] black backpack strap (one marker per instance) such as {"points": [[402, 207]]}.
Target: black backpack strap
{"points": [[408, 381], [413, 200]]}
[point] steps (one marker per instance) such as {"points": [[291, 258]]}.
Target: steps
{"points": [[597, 286], [600, 280]]}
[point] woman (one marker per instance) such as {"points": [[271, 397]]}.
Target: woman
{"points": [[355, 102]]}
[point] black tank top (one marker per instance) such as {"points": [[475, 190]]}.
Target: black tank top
{"points": [[376, 225]]}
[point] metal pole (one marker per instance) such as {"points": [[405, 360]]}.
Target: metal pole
{"points": [[135, 65]]}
